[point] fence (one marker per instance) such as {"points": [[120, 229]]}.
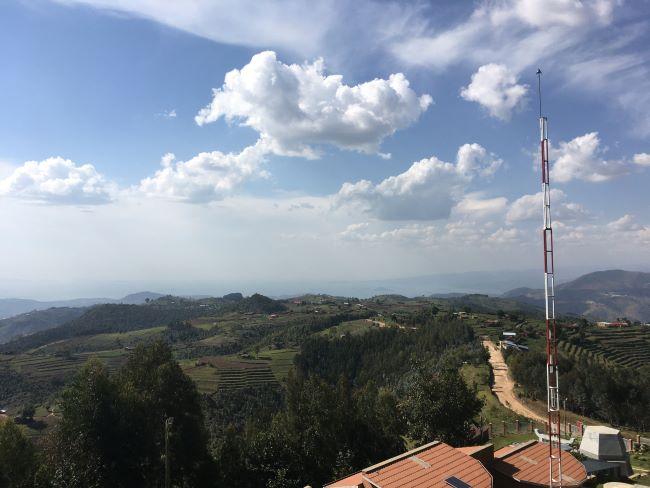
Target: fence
{"points": [[569, 430]]}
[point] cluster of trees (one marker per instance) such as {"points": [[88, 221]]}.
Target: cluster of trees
{"points": [[319, 427], [387, 356], [112, 430], [619, 396]]}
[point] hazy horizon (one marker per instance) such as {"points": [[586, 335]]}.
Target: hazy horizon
{"points": [[362, 141], [485, 282]]}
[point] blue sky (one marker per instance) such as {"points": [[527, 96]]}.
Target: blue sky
{"points": [[300, 166]]}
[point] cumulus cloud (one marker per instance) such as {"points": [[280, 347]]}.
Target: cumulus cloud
{"points": [[57, 180], [495, 88], [295, 107], [626, 223], [410, 234], [582, 159], [426, 191], [642, 159], [505, 235], [476, 206], [579, 41], [206, 177], [529, 207]]}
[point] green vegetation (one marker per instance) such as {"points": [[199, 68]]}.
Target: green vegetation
{"points": [[289, 392], [618, 396], [627, 347]]}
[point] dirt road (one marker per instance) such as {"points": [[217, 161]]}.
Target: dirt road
{"points": [[504, 387]]}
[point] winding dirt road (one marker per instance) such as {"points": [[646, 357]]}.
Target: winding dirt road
{"points": [[504, 387]]}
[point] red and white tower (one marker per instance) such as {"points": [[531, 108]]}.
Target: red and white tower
{"points": [[552, 384]]}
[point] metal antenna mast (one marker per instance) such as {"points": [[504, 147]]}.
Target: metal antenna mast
{"points": [[552, 384]]}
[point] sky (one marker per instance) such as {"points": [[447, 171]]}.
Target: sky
{"points": [[167, 143]]}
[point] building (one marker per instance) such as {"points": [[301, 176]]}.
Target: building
{"points": [[605, 452], [432, 465], [526, 465], [438, 465]]}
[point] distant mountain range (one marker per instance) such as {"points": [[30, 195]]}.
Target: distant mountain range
{"points": [[603, 295], [10, 307]]}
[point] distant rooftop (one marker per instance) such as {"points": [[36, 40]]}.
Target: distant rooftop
{"points": [[431, 466]]}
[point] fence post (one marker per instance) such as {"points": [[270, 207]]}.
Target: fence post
{"points": [[517, 425]]}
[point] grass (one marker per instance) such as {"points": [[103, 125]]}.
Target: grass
{"points": [[352, 327], [628, 346], [213, 373], [492, 410]]}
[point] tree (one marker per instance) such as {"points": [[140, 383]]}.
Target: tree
{"points": [[440, 406], [324, 432], [112, 430], [17, 457], [153, 388], [85, 450], [28, 411]]}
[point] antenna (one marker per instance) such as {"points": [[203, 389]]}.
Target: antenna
{"points": [[552, 383]]}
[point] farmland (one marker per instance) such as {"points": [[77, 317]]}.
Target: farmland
{"points": [[628, 346]]}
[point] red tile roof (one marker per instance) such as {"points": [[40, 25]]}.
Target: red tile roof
{"points": [[528, 463], [353, 481], [428, 467]]}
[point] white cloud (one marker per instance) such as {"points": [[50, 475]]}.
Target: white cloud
{"points": [[206, 177], [426, 191], [529, 207], [626, 223], [510, 31], [344, 30], [295, 107], [411, 234], [476, 206], [57, 180], [582, 159], [577, 41], [642, 159], [495, 88], [168, 114], [570, 13], [505, 235]]}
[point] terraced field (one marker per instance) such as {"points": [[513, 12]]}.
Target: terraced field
{"points": [[222, 373], [48, 366], [629, 346]]}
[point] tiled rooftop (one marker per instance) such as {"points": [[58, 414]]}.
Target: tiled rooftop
{"points": [[428, 466], [528, 463]]}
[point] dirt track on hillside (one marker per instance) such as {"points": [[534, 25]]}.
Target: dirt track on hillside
{"points": [[504, 387]]}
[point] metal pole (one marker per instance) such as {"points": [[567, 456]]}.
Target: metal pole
{"points": [[168, 425], [552, 383]]}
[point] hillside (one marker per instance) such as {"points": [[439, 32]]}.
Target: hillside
{"points": [[36, 321], [603, 295], [10, 307]]}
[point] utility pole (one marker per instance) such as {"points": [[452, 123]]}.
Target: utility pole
{"points": [[552, 376], [168, 427]]}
